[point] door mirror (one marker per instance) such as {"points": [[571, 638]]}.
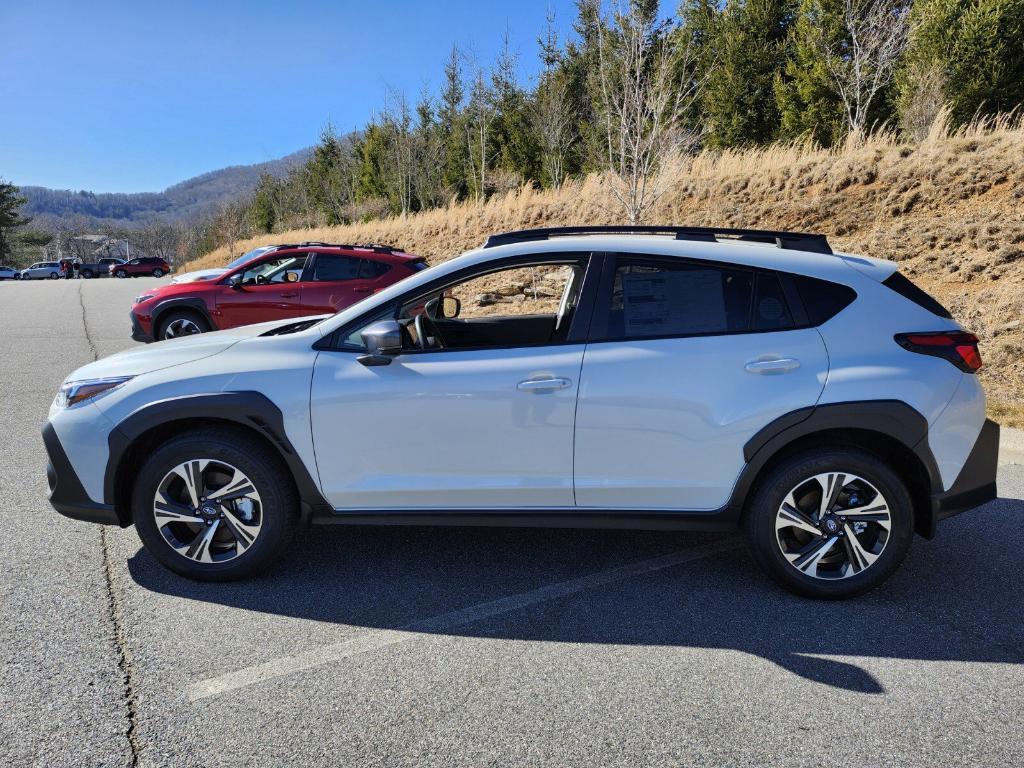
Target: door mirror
{"points": [[383, 341], [235, 281], [450, 307], [291, 277]]}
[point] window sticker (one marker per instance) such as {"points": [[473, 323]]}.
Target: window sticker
{"points": [[673, 301]]}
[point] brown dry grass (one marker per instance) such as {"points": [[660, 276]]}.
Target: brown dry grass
{"points": [[950, 210]]}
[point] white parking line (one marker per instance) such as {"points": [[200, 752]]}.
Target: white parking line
{"points": [[371, 641]]}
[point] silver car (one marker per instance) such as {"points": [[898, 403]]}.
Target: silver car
{"points": [[9, 273], [41, 270]]}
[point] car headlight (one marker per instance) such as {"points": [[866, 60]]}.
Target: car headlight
{"points": [[73, 393], [143, 297]]}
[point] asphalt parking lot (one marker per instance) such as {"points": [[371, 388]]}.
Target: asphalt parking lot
{"points": [[475, 647]]}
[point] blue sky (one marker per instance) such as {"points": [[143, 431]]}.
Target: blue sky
{"points": [[136, 96]]}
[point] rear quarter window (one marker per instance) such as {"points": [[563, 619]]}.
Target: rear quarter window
{"points": [[822, 299]]}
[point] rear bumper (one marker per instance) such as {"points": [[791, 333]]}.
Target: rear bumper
{"points": [[67, 495], [976, 483]]}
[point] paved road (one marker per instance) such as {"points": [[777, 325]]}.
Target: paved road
{"points": [[475, 647]]}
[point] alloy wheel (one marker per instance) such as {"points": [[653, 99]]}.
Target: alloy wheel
{"points": [[833, 525], [208, 511], [183, 326]]}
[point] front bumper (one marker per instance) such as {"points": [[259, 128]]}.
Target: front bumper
{"points": [[976, 483], [67, 495], [138, 332]]}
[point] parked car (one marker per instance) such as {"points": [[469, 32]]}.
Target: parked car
{"points": [[100, 268], [287, 282], [209, 274], [145, 265], [681, 378], [42, 270], [9, 273]]}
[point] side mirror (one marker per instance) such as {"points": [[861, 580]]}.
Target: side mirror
{"points": [[235, 281], [291, 277], [383, 341], [450, 307]]}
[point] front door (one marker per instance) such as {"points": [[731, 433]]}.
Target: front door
{"points": [[688, 362], [481, 418], [268, 290]]}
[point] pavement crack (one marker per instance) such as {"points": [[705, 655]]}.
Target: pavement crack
{"points": [[85, 325], [124, 655]]}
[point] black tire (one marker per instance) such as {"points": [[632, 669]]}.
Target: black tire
{"points": [[176, 315], [264, 469], [17, 276], [158, 272], [771, 492], [87, 274], [54, 276], [120, 273]]}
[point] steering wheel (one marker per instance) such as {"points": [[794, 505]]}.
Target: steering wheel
{"points": [[425, 325]]}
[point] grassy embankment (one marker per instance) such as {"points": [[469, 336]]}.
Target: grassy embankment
{"points": [[950, 210]]}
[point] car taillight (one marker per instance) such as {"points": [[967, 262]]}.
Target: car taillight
{"points": [[961, 349]]}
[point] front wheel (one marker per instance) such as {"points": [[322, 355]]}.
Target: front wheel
{"points": [[87, 274], [158, 272], [54, 276], [120, 273], [830, 524], [179, 323], [214, 505]]}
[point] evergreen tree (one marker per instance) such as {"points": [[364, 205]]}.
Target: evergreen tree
{"points": [[516, 142], [971, 51], [262, 208], [746, 39], [451, 128], [807, 101], [10, 217]]}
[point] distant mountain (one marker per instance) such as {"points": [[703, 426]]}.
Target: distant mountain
{"points": [[55, 209]]}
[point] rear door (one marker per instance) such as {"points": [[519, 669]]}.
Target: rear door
{"points": [[687, 361], [335, 281]]}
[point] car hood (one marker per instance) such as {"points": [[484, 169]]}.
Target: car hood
{"points": [[199, 274], [166, 354]]}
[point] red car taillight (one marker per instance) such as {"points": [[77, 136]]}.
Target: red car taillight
{"points": [[961, 349]]}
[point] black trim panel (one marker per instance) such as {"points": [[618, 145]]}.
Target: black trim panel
{"points": [[249, 409], [537, 518], [174, 303], [67, 495], [976, 483]]}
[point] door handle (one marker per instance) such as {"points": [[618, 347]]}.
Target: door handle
{"points": [[543, 385], [289, 295], [362, 290], [772, 366]]}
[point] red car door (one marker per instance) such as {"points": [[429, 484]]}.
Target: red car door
{"points": [[336, 281], [266, 290]]}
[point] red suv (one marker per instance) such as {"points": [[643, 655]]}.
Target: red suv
{"points": [[284, 282], [147, 265]]}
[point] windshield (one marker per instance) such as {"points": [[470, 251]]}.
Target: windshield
{"points": [[249, 255]]}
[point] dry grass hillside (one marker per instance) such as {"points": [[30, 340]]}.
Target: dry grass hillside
{"points": [[950, 210]]}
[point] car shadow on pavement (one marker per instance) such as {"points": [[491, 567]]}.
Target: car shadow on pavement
{"points": [[956, 598]]}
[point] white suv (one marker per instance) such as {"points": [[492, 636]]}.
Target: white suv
{"points": [[658, 377]]}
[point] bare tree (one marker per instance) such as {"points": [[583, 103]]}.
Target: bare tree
{"points": [[644, 94], [553, 118], [480, 114], [864, 62], [398, 128]]}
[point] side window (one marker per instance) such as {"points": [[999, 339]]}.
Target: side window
{"points": [[330, 267], [662, 298], [282, 269], [371, 270]]}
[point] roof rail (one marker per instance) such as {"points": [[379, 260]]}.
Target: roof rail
{"points": [[375, 247], [794, 241]]}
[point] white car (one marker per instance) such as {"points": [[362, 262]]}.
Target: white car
{"points": [[9, 273], [664, 378], [210, 274], [41, 270]]}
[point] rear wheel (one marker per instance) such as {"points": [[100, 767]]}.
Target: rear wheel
{"points": [[54, 276], [179, 323], [831, 524], [87, 273], [214, 505]]}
